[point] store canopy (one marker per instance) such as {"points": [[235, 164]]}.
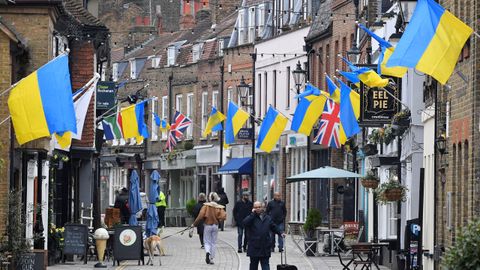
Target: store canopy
{"points": [[237, 166], [323, 172]]}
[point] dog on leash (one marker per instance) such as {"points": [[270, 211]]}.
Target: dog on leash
{"points": [[153, 243]]}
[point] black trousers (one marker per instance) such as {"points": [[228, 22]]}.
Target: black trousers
{"points": [[161, 216]]}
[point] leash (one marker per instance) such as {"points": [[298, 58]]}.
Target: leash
{"points": [[179, 232]]}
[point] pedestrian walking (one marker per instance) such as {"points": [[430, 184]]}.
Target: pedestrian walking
{"points": [[161, 205], [241, 210], [211, 214], [223, 201], [259, 225], [196, 211], [121, 202], [277, 211]]}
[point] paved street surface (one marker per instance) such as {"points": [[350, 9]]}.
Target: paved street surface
{"points": [[183, 252]]}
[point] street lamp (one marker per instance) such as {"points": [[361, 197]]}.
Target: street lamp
{"points": [[243, 90], [299, 76], [441, 142], [353, 52]]}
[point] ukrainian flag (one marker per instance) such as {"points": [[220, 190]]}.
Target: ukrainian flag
{"points": [[271, 129], [387, 50], [41, 104], [333, 90], [432, 41], [133, 123], [307, 113], [349, 110], [369, 77], [309, 90], [351, 77], [161, 123], [214, 122], [236, 118]]}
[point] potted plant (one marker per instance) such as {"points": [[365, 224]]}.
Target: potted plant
{"points": [[190, 206], [388, 135], [391, 191], [314, 219], [464, 253], [402, 118], [15, 246], [370, 180]]}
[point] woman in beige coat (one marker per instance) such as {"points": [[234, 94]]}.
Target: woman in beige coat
{"points": [[212, 214]]}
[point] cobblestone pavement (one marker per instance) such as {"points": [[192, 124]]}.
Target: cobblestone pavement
{"points": [[183, 252]]}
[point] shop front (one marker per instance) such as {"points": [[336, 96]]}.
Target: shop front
{"points": [[241, 170], [296, 150], [208, 162], [179, 168]]}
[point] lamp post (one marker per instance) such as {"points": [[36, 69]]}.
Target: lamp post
{"points": [[299, 76], [243, 91]]}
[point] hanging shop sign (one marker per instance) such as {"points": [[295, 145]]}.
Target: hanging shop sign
{"points": [[105, 95], [378, 105], [245, 134]]}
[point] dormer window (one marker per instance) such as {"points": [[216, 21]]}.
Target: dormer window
{"points": [[221, 45], [172, 54], [133, 69], [155, 61], [197, 51]]}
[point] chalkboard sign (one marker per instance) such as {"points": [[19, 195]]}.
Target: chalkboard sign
{"points": [[128, 244], [26, 262], [76, 240]]}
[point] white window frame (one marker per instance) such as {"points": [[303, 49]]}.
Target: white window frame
{"points": [[178, 103], [251, 24], [229, 94], [197, 52], [115, 72], [299, 191], [391, 220], [221, 44], [190, 113], [172, 54], [133, 69], [154, 126], [164, 114], [241, 27], [260, 18], [156, 61], [215, 103], [204, 109]]}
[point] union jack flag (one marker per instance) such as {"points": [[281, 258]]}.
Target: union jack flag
{"points": [[177, 128], [328, 133]]}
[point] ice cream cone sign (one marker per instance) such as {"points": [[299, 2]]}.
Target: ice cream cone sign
{"points": [[101, 236]]}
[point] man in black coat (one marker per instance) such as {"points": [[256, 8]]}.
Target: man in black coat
{"points": [[259, 225], [241, 210], [121, 202], [277, 211], [196, 210], [223, 201]]}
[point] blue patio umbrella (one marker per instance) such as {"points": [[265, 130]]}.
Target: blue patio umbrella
{"points": [[134, 199], [152, 214]]}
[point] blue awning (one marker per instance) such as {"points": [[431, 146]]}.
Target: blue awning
{"points": [[237, 166]]}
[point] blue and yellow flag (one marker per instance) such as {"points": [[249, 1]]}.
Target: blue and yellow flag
{"points": [[333, 90], [41, 104], [161, 123], [386, 51], [236, 118], [432, 41], [132, 122], [307, 113], [369, 77], [214, 122], [351, 77], [271, 129], [349, 110], [309, 91]]}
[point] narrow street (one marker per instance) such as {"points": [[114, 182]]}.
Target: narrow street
{"points": [[185, 253]]}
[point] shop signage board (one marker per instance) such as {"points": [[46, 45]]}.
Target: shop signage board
{"points": [[128, 244], [76, 240]]}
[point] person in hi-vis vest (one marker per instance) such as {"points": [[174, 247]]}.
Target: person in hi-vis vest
{"points": [[161, 204]]}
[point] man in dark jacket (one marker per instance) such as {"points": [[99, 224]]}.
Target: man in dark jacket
{"points": [[223, 201], [196, 210], [241, 210], [259, 225], [277, 211], [121, 202]]}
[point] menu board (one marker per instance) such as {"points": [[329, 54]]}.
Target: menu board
{"points": [[76, 240]]}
